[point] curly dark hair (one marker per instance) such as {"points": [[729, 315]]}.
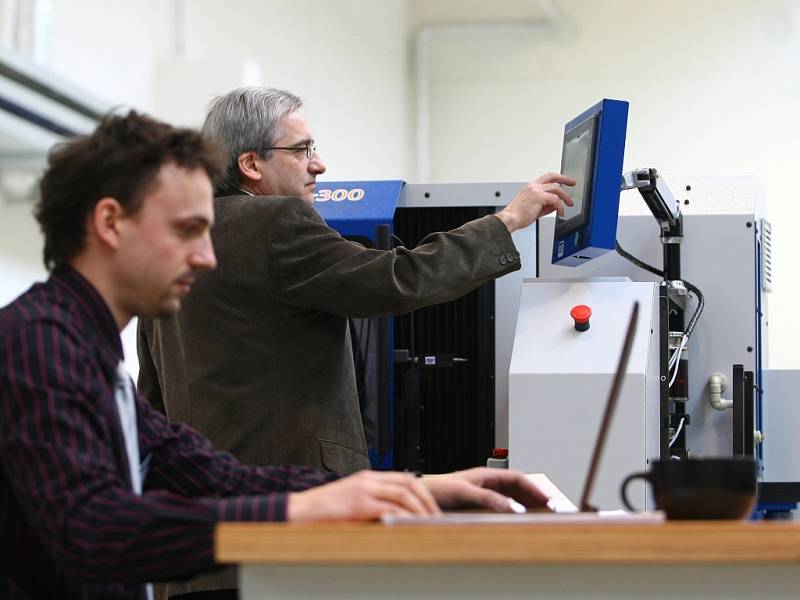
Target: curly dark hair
{"points": [[120, 159]]}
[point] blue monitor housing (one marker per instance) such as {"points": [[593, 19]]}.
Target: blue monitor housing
{"points": [[594, 147]]}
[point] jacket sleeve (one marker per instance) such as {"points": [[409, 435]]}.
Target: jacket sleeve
{"points": [[314, 267]]}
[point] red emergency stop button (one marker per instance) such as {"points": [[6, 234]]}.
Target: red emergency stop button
{"points": [[581, 314]]}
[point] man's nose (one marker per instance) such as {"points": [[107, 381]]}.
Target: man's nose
{"points": [[316, 166], [204, 257]]}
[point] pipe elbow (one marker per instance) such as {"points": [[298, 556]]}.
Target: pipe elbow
{"points": [[716, 386]]}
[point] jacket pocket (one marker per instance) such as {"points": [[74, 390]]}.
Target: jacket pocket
{"points": [[341, 458]]}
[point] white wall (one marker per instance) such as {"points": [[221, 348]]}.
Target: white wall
{"points": [[713, 89], [347, 59], [109, 47], [16, 278]]}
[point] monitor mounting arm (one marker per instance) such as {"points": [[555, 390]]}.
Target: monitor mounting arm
{"points": [[667, 212]]}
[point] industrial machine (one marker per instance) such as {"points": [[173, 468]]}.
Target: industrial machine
{"points": [[696, 382]]}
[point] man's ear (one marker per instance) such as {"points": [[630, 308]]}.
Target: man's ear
{"points": [[104, 222], [248, 166]]}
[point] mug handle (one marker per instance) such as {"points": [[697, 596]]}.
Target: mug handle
{"points": [[623, 491]]}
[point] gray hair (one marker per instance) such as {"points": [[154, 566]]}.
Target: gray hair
{"points": [[246, 120]]}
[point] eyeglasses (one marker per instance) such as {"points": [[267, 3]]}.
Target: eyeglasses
{"points": [[309, 149]]}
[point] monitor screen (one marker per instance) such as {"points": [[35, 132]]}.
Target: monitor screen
{"points": [[577, 161], [592, 154]]}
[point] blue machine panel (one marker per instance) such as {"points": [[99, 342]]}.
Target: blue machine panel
{"points": [[357, 208], [594, 148]]}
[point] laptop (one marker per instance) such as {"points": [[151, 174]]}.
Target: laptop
{"points": [[564, 509]]}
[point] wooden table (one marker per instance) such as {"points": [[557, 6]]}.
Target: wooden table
{"points": [[368, 560]]}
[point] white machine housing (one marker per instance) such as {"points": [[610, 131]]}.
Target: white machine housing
{"points": [[726, 254], [724, 229], [560, 379]]}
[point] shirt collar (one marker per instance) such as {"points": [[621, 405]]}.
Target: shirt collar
{"points": [[231, 190], [91, 306]]}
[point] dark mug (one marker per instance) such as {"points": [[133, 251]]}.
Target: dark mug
{"points": [[700, 488]]}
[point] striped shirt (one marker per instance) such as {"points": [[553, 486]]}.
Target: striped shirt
{"points": [[71, 526]]}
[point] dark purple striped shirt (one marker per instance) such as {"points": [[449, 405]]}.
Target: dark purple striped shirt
{"points": [[70, 524]]}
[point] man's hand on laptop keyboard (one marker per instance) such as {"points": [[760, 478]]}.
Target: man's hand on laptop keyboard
{"points": [[482, 488]]}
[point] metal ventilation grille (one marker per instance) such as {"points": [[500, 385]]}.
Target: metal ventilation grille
{"points": [[766, 255], [456, 414]]}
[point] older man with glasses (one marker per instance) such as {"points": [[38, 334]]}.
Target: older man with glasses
{"points": [[260, 357]]}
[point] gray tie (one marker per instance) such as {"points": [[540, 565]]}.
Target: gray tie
{"points": [[126, 407]]}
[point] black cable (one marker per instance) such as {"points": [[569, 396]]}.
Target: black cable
{"points": [[642, 265], [701, 302]]}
